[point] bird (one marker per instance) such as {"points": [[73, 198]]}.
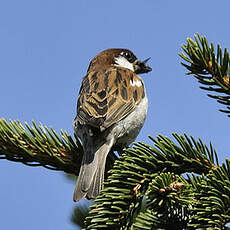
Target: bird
{"points": [[111, 109]]}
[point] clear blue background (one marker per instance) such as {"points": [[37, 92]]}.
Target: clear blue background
{"points": [[45, 48]]}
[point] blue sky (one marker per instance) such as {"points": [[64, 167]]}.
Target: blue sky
{"points": [[45, 48]]}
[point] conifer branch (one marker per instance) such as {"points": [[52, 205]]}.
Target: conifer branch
{"points": [[157, 174], [212, 70], [42, 146], [39, 146], [213, 209]]}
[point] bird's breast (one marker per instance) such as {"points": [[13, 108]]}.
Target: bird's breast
{"points": [[126, 130]]}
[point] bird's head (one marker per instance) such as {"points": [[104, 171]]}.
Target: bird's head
{"points": [[121, 58]]}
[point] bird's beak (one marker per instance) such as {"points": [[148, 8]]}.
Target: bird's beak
{"points": [[141, 66]]}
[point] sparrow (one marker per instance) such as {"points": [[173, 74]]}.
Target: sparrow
{"points": [[111, 110]]}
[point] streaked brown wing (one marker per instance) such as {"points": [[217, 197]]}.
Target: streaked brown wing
{"points": [[108, 96]]}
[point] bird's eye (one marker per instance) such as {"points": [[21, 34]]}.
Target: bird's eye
{"points": [[127, 55], [131, 58]]}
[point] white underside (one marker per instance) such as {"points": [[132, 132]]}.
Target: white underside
{"points": [[126, 130]]}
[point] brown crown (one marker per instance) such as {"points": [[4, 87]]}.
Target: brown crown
{"points": [[105, 59]]}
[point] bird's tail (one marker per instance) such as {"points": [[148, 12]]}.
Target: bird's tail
{"points": [[91, 176]]}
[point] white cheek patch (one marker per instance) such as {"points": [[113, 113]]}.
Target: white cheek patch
{"points": [[135, 83], [123, 62]]}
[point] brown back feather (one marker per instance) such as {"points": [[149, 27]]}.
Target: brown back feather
{"points": [[107, 96]]}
